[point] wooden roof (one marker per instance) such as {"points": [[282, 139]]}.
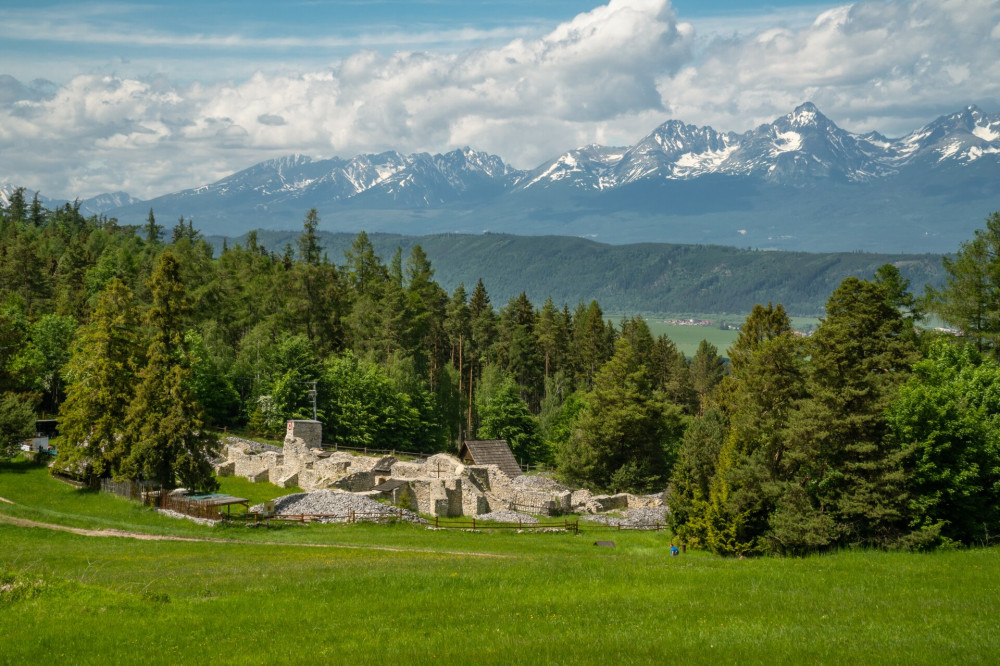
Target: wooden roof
{"points": [[389, 485], [384, 465], [491, 452]]}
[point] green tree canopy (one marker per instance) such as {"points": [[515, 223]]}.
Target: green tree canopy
{"points": [[947, 421]]}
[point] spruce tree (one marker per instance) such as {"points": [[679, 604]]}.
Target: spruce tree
{"points": [[707, 370], [101, 376], [626, 438], [839, 450], [152, 229], [970, 298], [164, 428]]}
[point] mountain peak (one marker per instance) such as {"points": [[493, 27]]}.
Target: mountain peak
{"points": [[807, 115]]}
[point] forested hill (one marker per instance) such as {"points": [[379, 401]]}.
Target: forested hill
{"points": [[651, 278]]}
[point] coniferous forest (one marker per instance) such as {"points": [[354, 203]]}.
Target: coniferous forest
{"points": [[145, 343]]}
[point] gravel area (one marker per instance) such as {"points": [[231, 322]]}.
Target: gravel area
{"points": [[252, 445], [638, 517], [537, 482], [508, 517], [336, 507]]}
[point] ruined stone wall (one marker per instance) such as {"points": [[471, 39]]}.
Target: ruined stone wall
{"points": [[441, 485], [253, 465], [357, 482]]}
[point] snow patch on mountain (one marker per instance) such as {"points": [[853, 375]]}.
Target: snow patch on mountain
{"points": [[986, 133], [787, 142]]}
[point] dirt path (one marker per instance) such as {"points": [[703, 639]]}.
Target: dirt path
{"points": [[142, 536]]}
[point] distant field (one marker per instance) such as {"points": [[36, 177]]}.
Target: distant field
{"points": [[687, 338], [403, 594]]}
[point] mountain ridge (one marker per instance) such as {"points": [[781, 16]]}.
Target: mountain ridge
{"points": [[641, 278], [797, 183]]}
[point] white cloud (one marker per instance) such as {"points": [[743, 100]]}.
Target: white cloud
{"points": [[887, 63], [609, 75]]}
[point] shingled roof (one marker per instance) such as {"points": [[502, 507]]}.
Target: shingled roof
{"points": [[491, 452], [384, 465]]}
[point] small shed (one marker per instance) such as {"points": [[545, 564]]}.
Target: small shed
{"points": [[490, 452]]}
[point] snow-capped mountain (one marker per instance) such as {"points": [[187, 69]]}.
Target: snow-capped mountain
{"points": [[795, 149], [390, 179], [102, 203], [799, 182]]}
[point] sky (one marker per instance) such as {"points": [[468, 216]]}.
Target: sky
{"points": [[151, 98]]}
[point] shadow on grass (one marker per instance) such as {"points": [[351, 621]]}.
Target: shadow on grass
{"points": [[20, 465]]}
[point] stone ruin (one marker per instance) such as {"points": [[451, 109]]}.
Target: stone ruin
{"points": [[440, 485]]}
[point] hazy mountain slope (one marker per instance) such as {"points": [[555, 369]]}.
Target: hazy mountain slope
{"points": [[647, 278]]}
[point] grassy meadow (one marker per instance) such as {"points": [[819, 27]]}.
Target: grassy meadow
{"points": [[401, 593], [687, 338]]}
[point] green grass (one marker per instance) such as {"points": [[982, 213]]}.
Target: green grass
{"points": [[535, 598], [687, 338], [237, 486]]}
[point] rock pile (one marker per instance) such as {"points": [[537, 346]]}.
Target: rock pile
{"points": [[507, 517], [336, 507], [646, 516], [537, 482]]}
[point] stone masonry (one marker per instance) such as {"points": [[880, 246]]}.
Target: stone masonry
{"points": [[439, 486]]}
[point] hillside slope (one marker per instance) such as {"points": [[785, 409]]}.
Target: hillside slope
{"points": [[651, 278]]}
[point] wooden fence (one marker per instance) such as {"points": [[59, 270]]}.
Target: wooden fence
{"points": [[154, 497], [473, 524], [349, 517]]}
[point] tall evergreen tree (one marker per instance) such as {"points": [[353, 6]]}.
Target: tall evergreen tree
{"points": [[164, 429], [970, 298], [627, 436], [101, 375], [839, 453], [153, 231], [707, 370]]}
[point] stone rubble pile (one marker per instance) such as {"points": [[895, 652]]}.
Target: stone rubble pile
{"points": [[508, 517], [337, 506], [635, 517], [538, 482]]}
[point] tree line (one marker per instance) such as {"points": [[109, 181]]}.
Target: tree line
{"points": [[868, 432]]}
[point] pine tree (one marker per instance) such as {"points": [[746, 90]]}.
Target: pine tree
{"points": [[627, 436], [101, 375], [165, 440], [152, 229], [839, 452], [970, 299], [692, 475], [765, 390], [707, 370]]}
